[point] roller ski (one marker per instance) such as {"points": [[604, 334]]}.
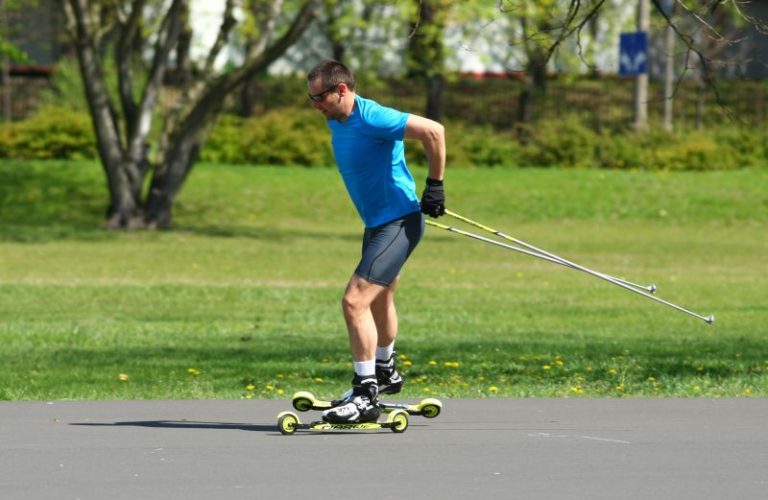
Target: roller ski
{"points": [[288, 423], [358, 411], [427, 408], [388, 381]]}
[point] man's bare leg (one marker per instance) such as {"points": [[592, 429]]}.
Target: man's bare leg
{"points": [[385, 315], [361, 325]]}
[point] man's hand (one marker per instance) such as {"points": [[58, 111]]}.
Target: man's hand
{"points": [[433, 199]]}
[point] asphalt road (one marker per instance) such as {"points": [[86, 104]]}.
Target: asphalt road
{"points": [[491, 448]]}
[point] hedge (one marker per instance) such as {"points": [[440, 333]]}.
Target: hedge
{"points": [[52, 133], [300, 137]]}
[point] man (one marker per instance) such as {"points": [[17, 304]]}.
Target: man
{"points": [[367, 141]]}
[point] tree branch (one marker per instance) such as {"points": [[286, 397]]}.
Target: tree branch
{"points": [[689, 42], [124, 48], [567, 30], [260, 44], [227, 23], [198, 105], [170, 29]]}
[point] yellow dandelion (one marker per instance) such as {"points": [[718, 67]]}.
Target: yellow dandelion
{"points": [[270, 388], [451, 364], [250, 387], [493, 388], [194, 372], [280, 392], [577, 390], [613, 371], [280, 375], [122, 377], [403, 357], [249, 396], [559, 362], [620, 387], [318, 380], [407, 362], [432, 363], [546, 367]]}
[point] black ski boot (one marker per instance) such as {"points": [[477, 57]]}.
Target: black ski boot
{"points": [[360, 406]]}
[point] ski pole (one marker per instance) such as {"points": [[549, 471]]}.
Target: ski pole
{"points": [[708, 319], [650, 288]]}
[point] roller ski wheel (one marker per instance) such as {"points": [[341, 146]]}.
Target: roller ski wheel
{"points": [[427, 408], [430, 408], [399, 421], [288, 423], [306, 401]]}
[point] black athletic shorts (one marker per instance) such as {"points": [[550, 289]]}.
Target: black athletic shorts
{"points": [[387, 247]]}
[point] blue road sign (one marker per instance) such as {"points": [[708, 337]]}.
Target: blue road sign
{"points": [[633, 53]]}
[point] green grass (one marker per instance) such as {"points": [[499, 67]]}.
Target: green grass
{"points": [[241, 299]]}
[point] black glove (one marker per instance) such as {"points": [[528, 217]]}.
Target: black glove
{"points": [[433, 199]]}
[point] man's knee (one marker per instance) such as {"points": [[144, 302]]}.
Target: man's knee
{"points": [[352, 304], [360, 295]]}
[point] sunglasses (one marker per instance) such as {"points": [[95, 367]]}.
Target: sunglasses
{"points": [[319, 97]]}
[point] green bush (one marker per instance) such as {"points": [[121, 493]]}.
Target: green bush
{"points": [[567, 143], [294, 136], [618, 151], [286, 137], [748, 147], [52, 133], [480, 147], [563, 143], [724, 149]]}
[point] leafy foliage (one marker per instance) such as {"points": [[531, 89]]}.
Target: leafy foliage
{"points": [[291, 136], [52, 133], [275, 138]]}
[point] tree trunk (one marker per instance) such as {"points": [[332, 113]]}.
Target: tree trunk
{"points": [[5, 64], [435, 85], [535, 87], [426, 54], [248, 98], [166, 184], [123, 189], [701, 97]]}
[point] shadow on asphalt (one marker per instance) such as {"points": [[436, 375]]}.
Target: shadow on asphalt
{"points": [[185, 424]]}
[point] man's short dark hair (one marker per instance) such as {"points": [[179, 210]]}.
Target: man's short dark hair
{"points": [[332, 73]]}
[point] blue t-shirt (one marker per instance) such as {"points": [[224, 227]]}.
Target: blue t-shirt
{"points": [[369, 152]]}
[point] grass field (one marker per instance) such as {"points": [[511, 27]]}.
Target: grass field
{"points": [[241, 299]]}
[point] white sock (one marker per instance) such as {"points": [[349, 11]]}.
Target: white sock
{"points": [[384, 353], [365, 368]]}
